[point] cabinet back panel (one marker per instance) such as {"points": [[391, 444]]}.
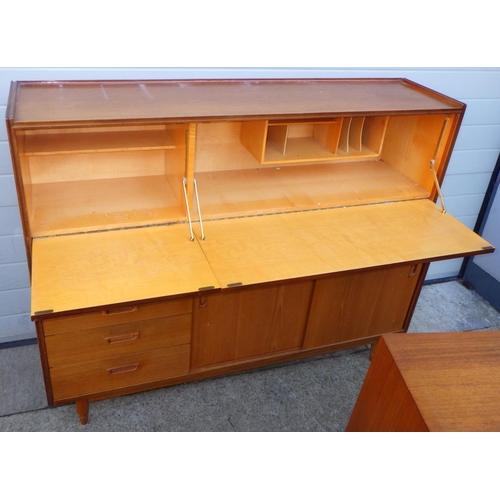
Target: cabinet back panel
{"points": [[87, 166], [374, 130], [219, 147], [72, 207], [300, 130], [302, 187]]}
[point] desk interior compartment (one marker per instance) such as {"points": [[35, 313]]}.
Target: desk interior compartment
{"points": [[95, 178], [314, 140], [234, 179]]}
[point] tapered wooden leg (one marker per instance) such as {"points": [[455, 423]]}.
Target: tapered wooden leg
{"points": [[82, 408]]}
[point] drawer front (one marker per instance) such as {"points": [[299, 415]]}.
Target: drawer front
{"points": [[115, 340], [85, 379], [116, 315]]}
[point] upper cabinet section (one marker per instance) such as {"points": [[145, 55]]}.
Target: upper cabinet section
{"points": [[103, 155]]}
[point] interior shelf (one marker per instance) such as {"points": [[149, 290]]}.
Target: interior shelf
{"points": [[92, 142], [304, 149], [82, 206], [304, 187]]}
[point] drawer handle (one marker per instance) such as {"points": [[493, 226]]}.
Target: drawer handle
{"points": [[121, 310], [124, 369], [129, 337]]}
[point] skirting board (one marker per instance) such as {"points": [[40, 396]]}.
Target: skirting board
{"points": [[483, 283]]}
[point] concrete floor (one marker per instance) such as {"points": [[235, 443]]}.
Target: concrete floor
{"points": [[311, 395]]}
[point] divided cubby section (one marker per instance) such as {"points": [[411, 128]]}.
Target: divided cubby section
{"points": [[95, 178], [343, 138]]}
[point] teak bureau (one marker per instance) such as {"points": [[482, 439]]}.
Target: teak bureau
{"points": [[177, 230]]}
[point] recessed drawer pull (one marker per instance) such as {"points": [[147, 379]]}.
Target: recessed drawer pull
{"points": [[121, 310], [129, 337], [123, 369]]}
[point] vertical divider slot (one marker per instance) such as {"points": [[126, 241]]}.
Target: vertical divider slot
{"points": [[356, 133], [344, 134], [277, 135]]}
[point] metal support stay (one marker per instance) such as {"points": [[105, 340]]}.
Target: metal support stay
{"points": [[433, 161], [184, 181], [436, 182], [199, 209]]}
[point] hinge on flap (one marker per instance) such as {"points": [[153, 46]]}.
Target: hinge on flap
{"points": [[45, 311]]}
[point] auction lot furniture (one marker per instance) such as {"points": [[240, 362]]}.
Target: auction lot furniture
{"points": [[431, 382], [177, 230]]}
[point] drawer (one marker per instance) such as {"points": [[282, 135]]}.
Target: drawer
{"points": [[116, 315], [116, 340], [85, 379]]}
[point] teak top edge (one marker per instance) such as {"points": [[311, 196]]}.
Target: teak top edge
{"points": [[57, 103]]}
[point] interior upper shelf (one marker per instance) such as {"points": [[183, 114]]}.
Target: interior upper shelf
{"points": [[92, 142]]}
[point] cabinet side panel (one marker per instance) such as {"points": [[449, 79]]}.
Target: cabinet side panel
{"points": [[179, 162], [253, 137], [23, 184], [44, 361], [411, 142], [385, 403]]}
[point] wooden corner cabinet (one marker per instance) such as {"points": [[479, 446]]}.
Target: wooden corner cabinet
{"points": [[177, 230], [438, 382]]}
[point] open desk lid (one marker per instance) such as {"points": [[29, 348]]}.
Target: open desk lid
{"points": [[85, 271], [285, 246]]}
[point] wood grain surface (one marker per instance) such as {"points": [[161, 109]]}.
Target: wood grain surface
{"points": [[441, 381]]}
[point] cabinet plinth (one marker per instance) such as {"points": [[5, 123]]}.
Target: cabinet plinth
{"points": [[181, 229]]}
